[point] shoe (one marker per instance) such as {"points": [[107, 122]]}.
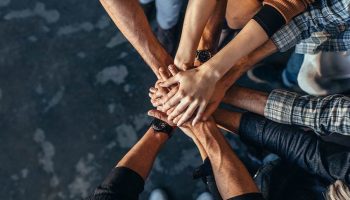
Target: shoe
{"points": [[267, 74], [158, 194], [168, 38], [205, 196]]}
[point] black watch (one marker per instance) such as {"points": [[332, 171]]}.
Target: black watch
{"points": [[161, 126], [203, 55]]}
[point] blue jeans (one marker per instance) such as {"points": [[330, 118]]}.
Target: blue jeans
{"points": [[290, 73], [168, 12]]}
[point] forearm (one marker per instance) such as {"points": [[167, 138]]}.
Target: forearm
{"points": [[132, 22], [197, 15], [227, 120], [244, 64], [232, 178], [142, 155], [189, 131], [247, 99], [211, 34], [251, 37]]}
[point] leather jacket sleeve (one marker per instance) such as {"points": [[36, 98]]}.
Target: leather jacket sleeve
{"points": [[298, 147]]}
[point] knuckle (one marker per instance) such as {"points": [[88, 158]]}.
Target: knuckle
{"points": [[181, 93]]}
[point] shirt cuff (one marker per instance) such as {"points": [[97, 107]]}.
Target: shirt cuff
{"points": [[269, 19], [279, 106]]}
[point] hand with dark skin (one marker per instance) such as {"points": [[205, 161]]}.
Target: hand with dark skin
{"points": [[231, 176]]}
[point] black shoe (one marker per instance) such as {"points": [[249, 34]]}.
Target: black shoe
{"points": [[149, 9], [168, 38]]}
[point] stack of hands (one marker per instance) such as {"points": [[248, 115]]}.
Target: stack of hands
{"points": [[184, 96]]}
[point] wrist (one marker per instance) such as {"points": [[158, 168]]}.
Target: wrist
{"points": [[209, 73], [183, 58]]}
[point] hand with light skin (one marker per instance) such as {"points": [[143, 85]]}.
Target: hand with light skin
{"points": [[193, 93], [160, 96]]}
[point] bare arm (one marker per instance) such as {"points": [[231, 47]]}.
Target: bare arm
{"points": [[250, 38], [132, 22], [247, 99], [196, 18], [211, 34], [141, 156], [232, 178]]}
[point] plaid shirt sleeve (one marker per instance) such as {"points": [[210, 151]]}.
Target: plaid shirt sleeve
{"points": [[325, 115]]}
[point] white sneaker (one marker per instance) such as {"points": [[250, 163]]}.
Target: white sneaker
{"points": [[205, 196], [158, 194]]}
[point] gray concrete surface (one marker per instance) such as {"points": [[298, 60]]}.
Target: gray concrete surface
{"points": [[73, 98]]}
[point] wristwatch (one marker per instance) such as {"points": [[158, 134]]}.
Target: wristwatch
{"points": [[161, 126], [203, 55]]}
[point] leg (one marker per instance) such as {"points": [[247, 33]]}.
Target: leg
{"points": [[239, 12], [168, 13], [290, 73]]}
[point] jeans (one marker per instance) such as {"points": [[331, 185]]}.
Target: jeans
{"points": [[290, 73], [168, 12]]}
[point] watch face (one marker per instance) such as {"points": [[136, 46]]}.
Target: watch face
{"points": [[158, 125], [204, 56]]}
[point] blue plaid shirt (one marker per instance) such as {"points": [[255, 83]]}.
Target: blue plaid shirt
{"points": [[325, 115], [325, 26]]}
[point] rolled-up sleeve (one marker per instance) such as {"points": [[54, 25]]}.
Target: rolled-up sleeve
{"points": [[303, 149], [325, 115]]}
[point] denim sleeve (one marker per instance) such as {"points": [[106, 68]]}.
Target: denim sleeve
{"points": [[121, 184], [303, 149]]}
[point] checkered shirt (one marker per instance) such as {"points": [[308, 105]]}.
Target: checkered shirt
{"points": [[325, 115], [324, 26]]}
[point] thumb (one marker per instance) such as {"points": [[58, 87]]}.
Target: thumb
{"points": [[169, 82], [209, 111]]}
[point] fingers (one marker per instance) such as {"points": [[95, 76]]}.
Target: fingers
{"points": [[173, 101], [173, 70], [188, 114], [159, 115], [163, 74], [168, 96], [171, 81], [179, 109], [210, 110], [176, 119], [200, 112]]}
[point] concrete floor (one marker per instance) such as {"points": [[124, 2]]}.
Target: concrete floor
{"points": [[73, 98]]}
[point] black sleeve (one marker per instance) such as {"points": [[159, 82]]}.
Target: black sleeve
{"points": [[121, 184], [304, 149], [269, 19], [248, 196]]}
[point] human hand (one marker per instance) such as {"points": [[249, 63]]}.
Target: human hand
{"points": [[194, 91], [157, 92], [162, 116]]}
